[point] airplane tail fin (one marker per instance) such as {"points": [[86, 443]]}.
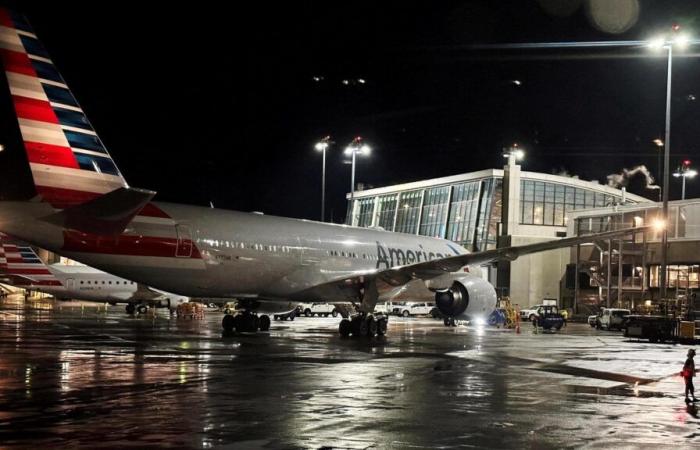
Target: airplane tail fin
{"points": [[21, 266], [69, 163]]}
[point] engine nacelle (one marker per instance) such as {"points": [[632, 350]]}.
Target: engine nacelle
{"points": [[468, 297]]}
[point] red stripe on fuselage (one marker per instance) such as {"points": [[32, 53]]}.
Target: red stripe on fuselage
{"points": [[17, 62], [33, 109], [51, 155], [127, 245], [21, 283], [41, 271]]}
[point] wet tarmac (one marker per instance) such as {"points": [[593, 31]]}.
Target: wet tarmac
{"points": [[82, 377]]}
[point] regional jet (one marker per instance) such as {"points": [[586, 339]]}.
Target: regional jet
{"points": [[21, 267], [85, 210]]}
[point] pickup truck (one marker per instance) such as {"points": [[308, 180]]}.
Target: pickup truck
{"points": [[530, 313], [319, 309], [417, 309], [387, 308], [613, 318]]}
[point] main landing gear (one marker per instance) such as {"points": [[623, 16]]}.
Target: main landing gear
{"points": [[245, 322], [449, 322], [364, 324], [133, 307]]}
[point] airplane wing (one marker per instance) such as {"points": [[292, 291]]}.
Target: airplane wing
{"points": [[346, 287], [429, 269]]}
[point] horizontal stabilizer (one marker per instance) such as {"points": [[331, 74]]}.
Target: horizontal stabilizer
{"points": [[107, 214]]}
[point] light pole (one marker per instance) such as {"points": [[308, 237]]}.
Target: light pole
{"points": [[684, 171], [659, 147], [667, 43], [321, 146], [356, 147]]}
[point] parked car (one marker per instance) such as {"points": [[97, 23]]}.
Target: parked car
{"points": [[613, 318], [319, 309], [416, 309], [387, 307], [529, 314], [594, 320], [289, 315]]}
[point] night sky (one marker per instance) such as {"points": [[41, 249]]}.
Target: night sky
{"points": [[218, 103]]}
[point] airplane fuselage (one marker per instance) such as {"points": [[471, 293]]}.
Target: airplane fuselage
{"points": [[206, 252]]}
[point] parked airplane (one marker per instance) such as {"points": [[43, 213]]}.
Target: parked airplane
{"points": [[86, 211], [21, 267]]}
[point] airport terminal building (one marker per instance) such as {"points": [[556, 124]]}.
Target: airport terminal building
{"points": [[489, 208], [624, 272]]}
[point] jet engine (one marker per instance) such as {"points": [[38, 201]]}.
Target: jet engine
{"points": [[467, 298]]}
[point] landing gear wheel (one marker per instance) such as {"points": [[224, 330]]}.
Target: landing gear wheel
{"points": [[142, 309], [449, 321], [291, 317], [307, 312], [405, 313], [130, 308], [344, 328], [264, 323], [363, 327], [228, 323], [382, 325], [371, 326], [246, 322], [355, 323]]}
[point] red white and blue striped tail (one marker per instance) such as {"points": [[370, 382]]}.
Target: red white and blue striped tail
{"points": [[22, 267], [69, 163]]}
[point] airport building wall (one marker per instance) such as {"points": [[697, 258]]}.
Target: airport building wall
{"points": [[490, 208]]}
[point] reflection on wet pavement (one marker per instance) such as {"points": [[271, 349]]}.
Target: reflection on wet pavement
{"points": [[88, 377]]}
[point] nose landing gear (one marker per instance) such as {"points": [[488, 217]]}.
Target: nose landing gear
{"points": [[449, 322]]}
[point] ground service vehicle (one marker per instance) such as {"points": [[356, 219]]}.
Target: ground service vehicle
{"points": [[547, 317]]}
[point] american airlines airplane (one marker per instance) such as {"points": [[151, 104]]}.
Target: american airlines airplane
{"points": [[85, 210], [21, 267]]}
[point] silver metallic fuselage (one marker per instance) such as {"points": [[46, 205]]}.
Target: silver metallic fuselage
{"points": [[233, 254]]}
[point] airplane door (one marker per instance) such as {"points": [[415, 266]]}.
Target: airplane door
{"points": [[70, 284], [184, 241], [310, 251]]}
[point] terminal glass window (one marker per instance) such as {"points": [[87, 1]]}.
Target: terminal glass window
{"points": [[364, 217], [543, 203], [434, 217], [678, 276], [483, 229], [409, 210], [463, 213], [387, 211]]}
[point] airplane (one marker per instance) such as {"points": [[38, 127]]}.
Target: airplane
{"points": [[86, 211], [21, 267]]}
